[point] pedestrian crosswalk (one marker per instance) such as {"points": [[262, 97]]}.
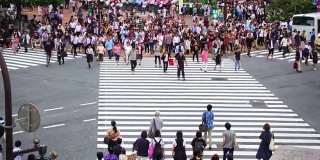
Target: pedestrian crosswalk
{"points": [[30, 59], [290, 57], [131, 99]]}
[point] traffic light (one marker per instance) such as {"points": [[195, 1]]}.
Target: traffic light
{"points": [[215, 13]]}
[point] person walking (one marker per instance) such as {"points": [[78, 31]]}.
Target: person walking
{"points": [[180, 61], [113, 133], [127, 50], [117, 52], [237, 59], [179, 147], [218, 60], [314, 57], [271, 45], [284, 45], [228, 140], [60, 53], [133, 60], [157, 54], [48, 47], [204, 59], [298, 58], [165, 59], [101, 51], [25, 41], [156, 123], [207, 120], [109, 44], [141, 146], [90, 54], [265, 136]]}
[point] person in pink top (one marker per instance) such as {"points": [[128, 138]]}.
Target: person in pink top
{"points": [[204, 59], [117, 52]]}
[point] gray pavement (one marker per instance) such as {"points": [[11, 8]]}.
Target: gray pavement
{"points": [[300, 91], [66, 96]]}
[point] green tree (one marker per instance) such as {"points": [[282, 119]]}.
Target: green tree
{"points": [[284, 9]]}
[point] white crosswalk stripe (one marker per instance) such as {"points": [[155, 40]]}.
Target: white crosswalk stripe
{"points": [[290, 57], [132, 98], [30, 59]]}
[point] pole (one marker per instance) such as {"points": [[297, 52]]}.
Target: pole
{"points": [[225, 24], [8, 107], [19, 10]]}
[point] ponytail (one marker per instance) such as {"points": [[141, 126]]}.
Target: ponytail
{"points": [[115, 129]]}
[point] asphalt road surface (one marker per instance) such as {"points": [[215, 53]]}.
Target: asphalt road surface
{"points": [[66, 96], [300, 91]]}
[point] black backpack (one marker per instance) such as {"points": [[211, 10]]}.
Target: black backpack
{"points": [[157, 152]]}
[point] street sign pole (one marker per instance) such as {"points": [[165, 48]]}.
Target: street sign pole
{"points": [[8, 107]]}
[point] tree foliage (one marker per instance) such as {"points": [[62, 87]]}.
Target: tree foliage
{"points": [[284, 9], [35, 2]]}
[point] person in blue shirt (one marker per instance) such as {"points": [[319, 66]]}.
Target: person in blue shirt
{"points": [[109, 44], [207, 120]]}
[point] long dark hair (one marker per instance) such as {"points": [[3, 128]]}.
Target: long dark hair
{"points": [[179, 137], [113, 124]]}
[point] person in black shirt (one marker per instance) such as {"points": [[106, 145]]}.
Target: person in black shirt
{"points": [[48, 47], [237, 59], [118, 149], [180, 61], [249, 41]]}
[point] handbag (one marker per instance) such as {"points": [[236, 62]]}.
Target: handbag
{"points": [[203, 128], [295, 65], [151, 134], [106, 140], [135, 147], [272, 145], [235, 143]]}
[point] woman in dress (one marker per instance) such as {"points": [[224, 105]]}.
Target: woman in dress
{"points": [[117, 52], [15, 43], [127, 50], [139, 53], [263, 151], [204, 59], [218, 60], [89, 55]]}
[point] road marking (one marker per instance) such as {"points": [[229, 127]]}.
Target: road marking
{"points": [[14, 115], [57, 125], [88, 120], [17, 132], [52, 109], [87, 104]]}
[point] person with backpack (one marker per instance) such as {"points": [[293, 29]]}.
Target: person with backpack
{"points": [[207, 120], [179, 147], [113, 133], [156, 148], [198, 143], [111, 155]]}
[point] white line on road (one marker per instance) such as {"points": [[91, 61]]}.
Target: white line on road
{"points": [[17, 132], [52, 109], [14, 115], [87, 104], [88, 120], [57, 125]]}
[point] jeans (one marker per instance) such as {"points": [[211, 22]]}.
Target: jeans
{"points": [[180, 69], [165, 66], [110, 53], [25, 45], [227, 150], [133, 64], [155, 60], [237, 65], [48, 57], [74, 48], [204, 66]]}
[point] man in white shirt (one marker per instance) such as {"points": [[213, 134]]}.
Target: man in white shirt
{"points": [[17, 148], [75, 44], [25, 41]]}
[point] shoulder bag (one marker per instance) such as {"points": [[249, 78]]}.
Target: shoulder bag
{"points": [[151, 133]]}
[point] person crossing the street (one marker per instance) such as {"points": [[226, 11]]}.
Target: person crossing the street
{"points": [[48, 47], [133, 60], [25, 40], [90, 54], [180, 61], [207, 120]]}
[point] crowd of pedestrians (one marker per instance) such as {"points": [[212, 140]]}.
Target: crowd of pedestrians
{"points": [[150, 145]]}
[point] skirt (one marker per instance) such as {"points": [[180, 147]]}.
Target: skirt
{"points": [[89, 58], [139, 56]]}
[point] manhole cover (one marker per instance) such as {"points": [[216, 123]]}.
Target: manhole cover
{"points": [[219, 79], [258, 103]]}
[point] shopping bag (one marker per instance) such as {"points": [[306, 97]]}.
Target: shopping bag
{"points": [[295, 65], [171, 62]]}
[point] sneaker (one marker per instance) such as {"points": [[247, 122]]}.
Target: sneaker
{"points": [[210, 148], [314, 69], [184, 79], [200, 69], [205, 71]]}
